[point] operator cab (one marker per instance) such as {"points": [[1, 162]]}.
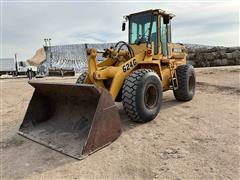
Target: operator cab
{"points": [[152, 26]]}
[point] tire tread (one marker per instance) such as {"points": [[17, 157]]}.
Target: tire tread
{"points": [[81, 78], [129, 94], [182, 93]]}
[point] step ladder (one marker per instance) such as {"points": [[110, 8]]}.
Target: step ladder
{"points": [[174, 82]]}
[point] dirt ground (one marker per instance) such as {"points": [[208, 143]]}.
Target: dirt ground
{"points": [[199, 139]]}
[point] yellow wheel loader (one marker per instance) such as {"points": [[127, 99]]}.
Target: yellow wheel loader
{"points": [[79, 119]]}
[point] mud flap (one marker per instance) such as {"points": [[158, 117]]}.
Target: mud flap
{"points": [[73, 119]]}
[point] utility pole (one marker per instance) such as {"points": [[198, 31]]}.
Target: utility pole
{"points": [[16, 63], [47, 42]]}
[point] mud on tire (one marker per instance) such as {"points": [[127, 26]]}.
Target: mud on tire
{"points": [[186, 83], [142, 95]]}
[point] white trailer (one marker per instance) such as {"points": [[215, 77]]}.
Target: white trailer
{"points": [[8, 66]]}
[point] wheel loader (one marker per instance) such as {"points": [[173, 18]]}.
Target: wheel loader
{"points": [[79, 119]]}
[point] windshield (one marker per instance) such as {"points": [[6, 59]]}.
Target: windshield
{"points": [[139, 28]]}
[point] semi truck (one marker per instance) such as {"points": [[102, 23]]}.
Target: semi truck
{"points": [[10, 66]]}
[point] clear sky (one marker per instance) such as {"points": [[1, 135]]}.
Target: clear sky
{"points": [[24, 24]]}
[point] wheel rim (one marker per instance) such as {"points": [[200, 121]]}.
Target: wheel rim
{"points": [[151, 96], [191, 83]]}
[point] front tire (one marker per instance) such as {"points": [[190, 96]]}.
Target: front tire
{"points": [[81, 79], [186, 83], [142, 95]]}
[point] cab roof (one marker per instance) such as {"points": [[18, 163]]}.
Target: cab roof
{"points": [[154, 11]]}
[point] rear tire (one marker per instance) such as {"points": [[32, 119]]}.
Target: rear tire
{"points": [[81, 79], [142, 95], [186, 83]]}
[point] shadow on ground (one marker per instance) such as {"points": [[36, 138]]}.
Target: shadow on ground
{"points": [[127, 124]]}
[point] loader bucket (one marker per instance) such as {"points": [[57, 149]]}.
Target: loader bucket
{"points": [[73, 119]]}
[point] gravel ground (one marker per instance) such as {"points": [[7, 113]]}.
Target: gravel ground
{"points": [[199, 139]]}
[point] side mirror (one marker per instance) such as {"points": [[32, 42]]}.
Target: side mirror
{"points": [[123, 26], [166, 19]]}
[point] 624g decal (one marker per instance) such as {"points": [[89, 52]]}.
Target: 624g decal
{"points": [[129, 65]]}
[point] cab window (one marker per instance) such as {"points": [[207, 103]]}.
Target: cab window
{"points": [[139, 28]]}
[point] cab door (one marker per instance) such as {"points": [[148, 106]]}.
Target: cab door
{"points": [[154, 34], [163, 37]]}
